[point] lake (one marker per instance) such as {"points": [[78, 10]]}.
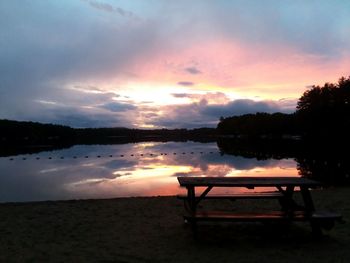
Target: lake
{"points": [[124, 170]]}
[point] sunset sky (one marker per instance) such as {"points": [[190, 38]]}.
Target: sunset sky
{"points": [[165, 63]]}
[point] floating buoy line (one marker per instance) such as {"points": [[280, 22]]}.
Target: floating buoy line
{"points": [[109, 156]]}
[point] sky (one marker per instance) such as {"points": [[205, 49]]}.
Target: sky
{"points": [[163, 63]]}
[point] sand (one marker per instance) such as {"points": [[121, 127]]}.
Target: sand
{"points": [[152, 230]]}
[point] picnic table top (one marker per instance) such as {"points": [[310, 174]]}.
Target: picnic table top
{"points": [[247, 181]]}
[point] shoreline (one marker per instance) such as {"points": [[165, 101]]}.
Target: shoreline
{"points": [[151, 229], [38, 202]]}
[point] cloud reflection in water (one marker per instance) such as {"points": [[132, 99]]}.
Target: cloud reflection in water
{"points": [[142, 174]]}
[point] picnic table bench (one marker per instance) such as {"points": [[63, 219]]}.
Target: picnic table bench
{"points": [[285, 187]]}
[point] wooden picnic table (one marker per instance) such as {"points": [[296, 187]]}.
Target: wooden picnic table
{"points": [[285, 187]]}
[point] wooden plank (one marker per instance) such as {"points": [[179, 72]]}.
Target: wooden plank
{"points": [[325, 220], [249, 182], [317, 216], [257, 216], [249, 217], [326, 215], [264, 195]]}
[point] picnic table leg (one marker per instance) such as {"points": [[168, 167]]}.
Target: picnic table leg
{"points": [[287, 203], [309, 204], [203, 195], [192, 205], [192, 201], [309, 209], [191, 198]]}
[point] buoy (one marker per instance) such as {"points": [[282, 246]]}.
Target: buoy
{"points": [[98, 156], [111, 155], [121, 155], [74, 157], [11, 159], [50, 158], [86, 156], [37, 158]]}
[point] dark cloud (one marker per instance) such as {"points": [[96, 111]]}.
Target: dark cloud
{"points": [[44, 52], [80, 116], [203, 114], [180, 95], [101, 6], [193, 70], [239, 107], [185, 83], [118, 106], [213, 97], [187, 95], [109, 8], [297, 24], [150, 115]]}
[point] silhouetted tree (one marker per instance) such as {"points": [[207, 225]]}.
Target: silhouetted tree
{"points": [[322, 112], [325, 111]]}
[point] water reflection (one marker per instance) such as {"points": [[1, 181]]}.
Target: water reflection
{"points": [[141, 169]]}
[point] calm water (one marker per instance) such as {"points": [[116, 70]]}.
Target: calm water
{"points": [[105, 171]]}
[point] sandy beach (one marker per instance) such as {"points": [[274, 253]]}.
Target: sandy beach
{"points": [[152, 230]]}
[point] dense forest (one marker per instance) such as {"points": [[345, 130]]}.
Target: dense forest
{"points": [[25, 133], [322, 112]]}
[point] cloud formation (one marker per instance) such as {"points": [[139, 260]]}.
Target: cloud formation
{"points": [[118, 106], [185, 83], [202, 114], [240, 107], [211, 97], [193, 70], [90, 63], [109, 8]]}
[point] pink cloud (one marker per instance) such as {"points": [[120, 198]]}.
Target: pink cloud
{"points": [[268, 71]]}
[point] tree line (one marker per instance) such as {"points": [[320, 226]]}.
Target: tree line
{"points": [[321, 112], [34, 133]]}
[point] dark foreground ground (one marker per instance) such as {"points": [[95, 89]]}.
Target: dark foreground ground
{"points": [[152, 230]]}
